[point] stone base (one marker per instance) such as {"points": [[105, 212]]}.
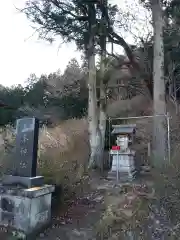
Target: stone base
{"points": [[26, 210], [26, 182], [122, 176]]}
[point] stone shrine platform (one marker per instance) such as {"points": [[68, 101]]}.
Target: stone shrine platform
{"points": [[27, 210]]}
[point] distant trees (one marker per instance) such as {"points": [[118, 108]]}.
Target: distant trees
{"points": [[12, 98], [54, 96]]}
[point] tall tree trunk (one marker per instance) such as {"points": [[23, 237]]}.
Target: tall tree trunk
{"points": [[159, 128], [102, 114], [92, 105]]}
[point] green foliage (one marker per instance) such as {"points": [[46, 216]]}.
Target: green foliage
{"points": [[68, 19], [74, 106], [35, 91], [68, 98], [173, 10], [13, 97]]}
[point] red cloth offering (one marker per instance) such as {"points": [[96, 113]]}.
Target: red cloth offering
{"points": [[115, 147]]}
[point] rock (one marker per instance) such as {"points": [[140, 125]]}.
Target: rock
{"points": [[42, 235], [127, 212], [85, 201], [98, 199], [76, 233]]}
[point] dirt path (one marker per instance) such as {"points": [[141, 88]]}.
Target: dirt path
{"points": [[79, 221], [83, 215]]}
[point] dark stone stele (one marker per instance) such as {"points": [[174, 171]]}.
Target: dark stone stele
{"points": [[25, 157]]}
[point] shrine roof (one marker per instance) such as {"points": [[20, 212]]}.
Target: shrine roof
{"points": [[124, 129]]}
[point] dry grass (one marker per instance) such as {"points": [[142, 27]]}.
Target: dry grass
{"points": [[64, 152]]}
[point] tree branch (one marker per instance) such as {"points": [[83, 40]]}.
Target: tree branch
{"points": [[58, 5], [120, 41]]}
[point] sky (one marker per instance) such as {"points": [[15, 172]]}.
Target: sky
{"points": [[22, 54]]}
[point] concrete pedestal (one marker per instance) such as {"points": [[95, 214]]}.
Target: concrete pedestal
{"points": [[27, 210]]}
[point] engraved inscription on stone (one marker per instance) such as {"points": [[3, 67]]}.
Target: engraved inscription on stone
{"points": [[25, 125], [7, 205], [26, 147], [42, 216]]}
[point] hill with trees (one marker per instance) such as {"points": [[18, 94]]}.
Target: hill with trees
{"points": [[51, 98], [145, 80]]}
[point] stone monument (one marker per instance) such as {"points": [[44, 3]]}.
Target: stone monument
{"points": [[25, 202], [25, 157]]}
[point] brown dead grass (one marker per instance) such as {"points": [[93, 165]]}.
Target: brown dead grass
{"points": [[64, 152]]}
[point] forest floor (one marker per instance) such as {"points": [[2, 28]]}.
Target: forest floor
{"points": [[107, 210]]}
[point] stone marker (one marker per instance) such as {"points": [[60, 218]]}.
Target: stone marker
{"points": [[27, 131], [25, 202], [25, 157]]}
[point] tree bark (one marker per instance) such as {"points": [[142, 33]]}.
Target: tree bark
{"points": [[102, 114], [159, 124], [94, 136], [103, 104]]}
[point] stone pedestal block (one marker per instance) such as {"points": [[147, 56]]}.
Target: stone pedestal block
{"points": [[123, 165], [26, 182], [26, 210]]}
